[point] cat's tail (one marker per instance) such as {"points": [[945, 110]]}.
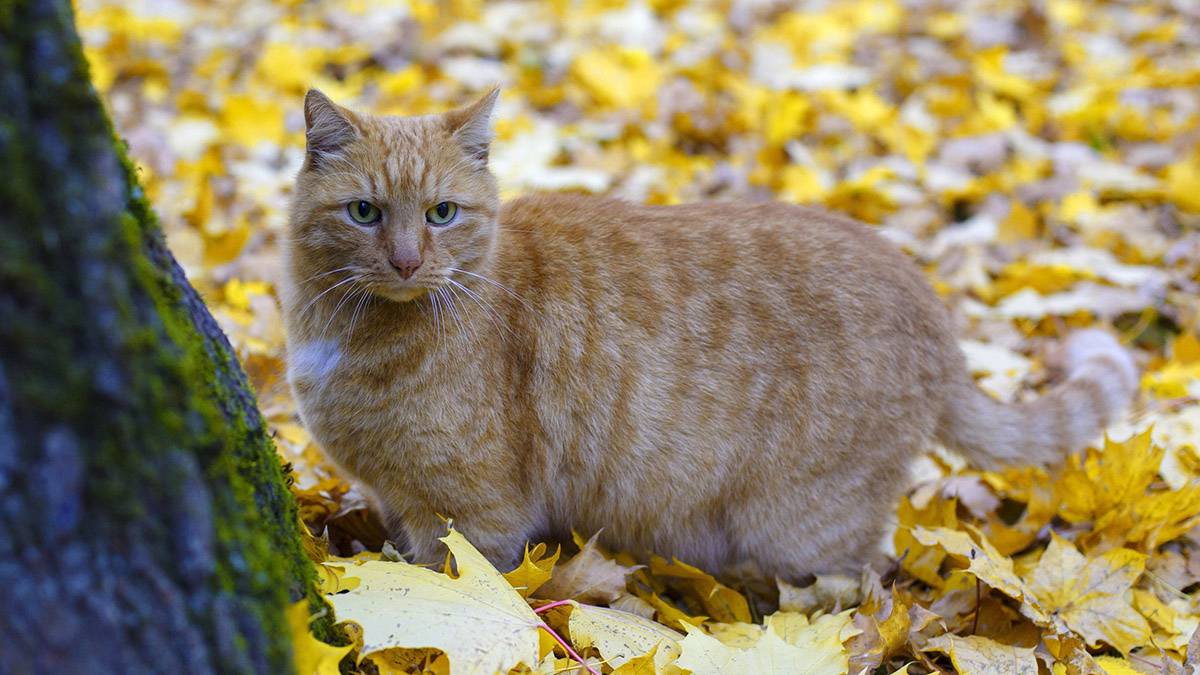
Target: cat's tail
{"points": [[1101, 379]]}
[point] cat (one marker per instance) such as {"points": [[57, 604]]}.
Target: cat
{"points": [[729, 383]]}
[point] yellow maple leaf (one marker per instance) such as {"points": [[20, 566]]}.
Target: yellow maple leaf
{"points": [[621, 636], [885, 622], [1180, 376], [311, 656], [984, 561], [1183, 183], [788, 643], [1088, 596], [1113, 665], [719, 601], [224, 247], [667, 613], [399, 661], [1020, 224], [920, 560], [1099, 482], [534, 571], [623, 78], [648, 664], [740, 635], [483, 624], [816, 635], [333, 578], [989, 68], [289, 67], [1044, 279], [249, 120], [1114, 490], [978, 655]]}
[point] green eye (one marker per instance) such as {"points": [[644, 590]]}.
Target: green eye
{"points": [[363, 213], [442, 214]]}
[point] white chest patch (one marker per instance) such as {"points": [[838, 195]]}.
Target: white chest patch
{"points": [[313, 361]]}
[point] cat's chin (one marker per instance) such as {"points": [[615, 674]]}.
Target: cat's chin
{"points": [[403, 294]]}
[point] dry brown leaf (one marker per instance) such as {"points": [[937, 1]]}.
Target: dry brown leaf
{"points": [[588, 577]]}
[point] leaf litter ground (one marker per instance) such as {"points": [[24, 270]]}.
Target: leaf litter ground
{"points": [[1039, 160]]}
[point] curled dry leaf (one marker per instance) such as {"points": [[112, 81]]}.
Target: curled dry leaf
{"points": [[588, 577], [719, 601], [534, 571], [830, 592]]}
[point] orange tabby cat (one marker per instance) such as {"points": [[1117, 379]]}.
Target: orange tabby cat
{"points": [[728, 383]]}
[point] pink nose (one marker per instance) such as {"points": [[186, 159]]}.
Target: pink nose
{"points": [[405, 265]]}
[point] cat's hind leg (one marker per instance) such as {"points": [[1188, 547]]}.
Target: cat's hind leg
{"points": [[816, 529]]}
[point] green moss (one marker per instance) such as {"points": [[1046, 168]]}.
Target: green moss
{"points": [[182, 392], [248, 464]]}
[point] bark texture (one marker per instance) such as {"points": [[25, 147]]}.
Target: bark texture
{"points": [[145, 524]]}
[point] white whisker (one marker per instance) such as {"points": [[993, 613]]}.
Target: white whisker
{"points": [[362, 302], [461, 336], [345, 296], [352, 277], [437, 317], [325, 274], [495, 283], [494, 316]]}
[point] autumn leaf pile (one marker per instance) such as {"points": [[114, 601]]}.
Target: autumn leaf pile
{"points": [[1040, 160]]}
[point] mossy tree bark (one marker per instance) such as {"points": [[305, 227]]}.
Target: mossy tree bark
{"points": [[145, 525]]}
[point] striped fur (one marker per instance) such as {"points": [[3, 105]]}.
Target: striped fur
{"points": [[729, 383]]}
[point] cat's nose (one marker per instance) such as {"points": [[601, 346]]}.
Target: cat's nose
{"points": [[406, 265]]}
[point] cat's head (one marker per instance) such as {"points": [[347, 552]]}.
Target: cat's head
{"points": [[400, 204]]}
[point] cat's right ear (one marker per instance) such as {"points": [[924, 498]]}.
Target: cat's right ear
{"points": [[328, 127]]}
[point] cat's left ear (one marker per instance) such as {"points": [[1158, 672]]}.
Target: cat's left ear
{"points": [[472, 126]]}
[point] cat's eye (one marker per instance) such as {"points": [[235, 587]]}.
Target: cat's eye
{"points": [[442, 214], [363, 213]]}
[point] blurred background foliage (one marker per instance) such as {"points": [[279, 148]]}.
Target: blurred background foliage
{"points": [[1038, 158]]}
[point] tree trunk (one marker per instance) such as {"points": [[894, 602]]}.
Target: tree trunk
{"points": [[145, 524]]}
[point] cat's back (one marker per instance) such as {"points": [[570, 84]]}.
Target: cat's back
{"points": [[721, 287], [808, 253]]}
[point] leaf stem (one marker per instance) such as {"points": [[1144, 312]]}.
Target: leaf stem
{"points": [[563, 643], [552, 605], [978, 604]]}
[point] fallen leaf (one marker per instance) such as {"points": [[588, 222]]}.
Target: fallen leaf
{"points": [[987, 564], [1088, 596], [534, 571], [588, 577], [311, 656], [483, 626], [830, 592], [977, 655], [620, 636], [705, 655], [719, 601]]}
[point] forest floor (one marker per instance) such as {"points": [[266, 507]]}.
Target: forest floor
{"points": [[1039, 160]]}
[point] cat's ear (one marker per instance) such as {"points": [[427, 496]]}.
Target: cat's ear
{"points": [[328, 127], [472, 126]]}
